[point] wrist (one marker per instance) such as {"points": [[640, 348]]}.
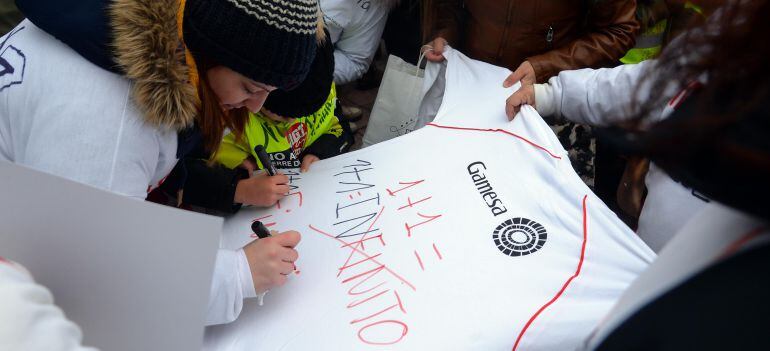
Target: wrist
{"points": [[233, 196], [240, 189], [245, 276], [544, 103]]}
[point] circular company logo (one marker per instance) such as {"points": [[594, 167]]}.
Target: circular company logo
{"points": [[519, 236]]}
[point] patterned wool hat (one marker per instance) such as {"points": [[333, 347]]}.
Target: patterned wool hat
{"points": [[270, 41], [311, 94]]}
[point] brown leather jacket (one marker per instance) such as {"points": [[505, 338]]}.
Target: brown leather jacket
{"points": [[553, 35]]}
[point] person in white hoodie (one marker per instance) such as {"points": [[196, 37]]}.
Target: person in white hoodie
{"points": [[608, 97], [111, 93], [700, 113], [356, 28]]}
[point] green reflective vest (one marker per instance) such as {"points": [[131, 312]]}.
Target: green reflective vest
{"points": [[650, 42], [283, 141]]}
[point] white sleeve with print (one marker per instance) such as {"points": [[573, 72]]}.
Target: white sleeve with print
{"points": [[356, 28], [66, 116]]}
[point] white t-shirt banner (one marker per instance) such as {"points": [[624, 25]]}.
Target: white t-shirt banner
{"points": [[469, 234]]}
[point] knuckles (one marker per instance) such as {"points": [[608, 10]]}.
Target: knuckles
{"points": [[279, 280], [293, 236], [293, 255]]}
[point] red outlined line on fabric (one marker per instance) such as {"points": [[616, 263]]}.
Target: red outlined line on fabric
{"points": [[566, 284], [737, 245], [681, 96], [497, 130]]}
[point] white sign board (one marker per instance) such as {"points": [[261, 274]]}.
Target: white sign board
{"points": [[132, 274]]}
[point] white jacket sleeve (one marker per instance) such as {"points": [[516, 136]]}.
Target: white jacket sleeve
{"points": [[355, 48], [29, 319], [231, 284], [597, 97], [76, 120]]}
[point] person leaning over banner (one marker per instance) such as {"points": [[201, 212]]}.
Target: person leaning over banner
{"points": [[301, 125], [296, 128], [708, 289], [115, 107], [714, 142], [600, 98], [536, 39], [660, 21]]}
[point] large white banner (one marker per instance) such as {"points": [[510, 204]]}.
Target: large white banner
{"points": [[472, 233]]}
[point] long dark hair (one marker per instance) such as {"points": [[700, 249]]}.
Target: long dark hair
{"points": [[718, 142], [211, 120]]}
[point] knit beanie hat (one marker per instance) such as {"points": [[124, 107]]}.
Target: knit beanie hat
{"points": [[311, 94], [270, 41]]}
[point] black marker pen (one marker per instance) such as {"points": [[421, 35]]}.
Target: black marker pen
{"points": [[264, 159], [260, 229]]}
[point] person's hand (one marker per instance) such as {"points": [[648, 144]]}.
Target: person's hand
{"points": [[272, 259], [526, 93], [307, 161], [262, 190], [434, 51], [250, 165]]}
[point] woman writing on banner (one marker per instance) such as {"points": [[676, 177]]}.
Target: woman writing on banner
{"points": [[296, 128], [112, 93]]}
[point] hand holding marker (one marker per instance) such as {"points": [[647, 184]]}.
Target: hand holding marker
{"points": [[263, 190], [260, 229], [262, 232]]}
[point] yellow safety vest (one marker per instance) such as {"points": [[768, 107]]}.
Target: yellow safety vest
{"points": [[650, 42], [283, 141]]}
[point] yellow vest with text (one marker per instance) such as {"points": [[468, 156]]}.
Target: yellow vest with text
{"points": [[283, 141]]}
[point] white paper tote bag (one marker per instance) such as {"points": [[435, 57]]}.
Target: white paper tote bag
{"points": [[398, 100]]}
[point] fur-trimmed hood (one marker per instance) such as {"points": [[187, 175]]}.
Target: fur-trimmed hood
{"points": [[147, 49], [134, 38]]}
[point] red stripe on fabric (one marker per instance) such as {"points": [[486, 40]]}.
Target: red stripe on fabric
{"points": [[738, 244], [677, 100], [497, 131], [674, 101], [566, 284]]}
